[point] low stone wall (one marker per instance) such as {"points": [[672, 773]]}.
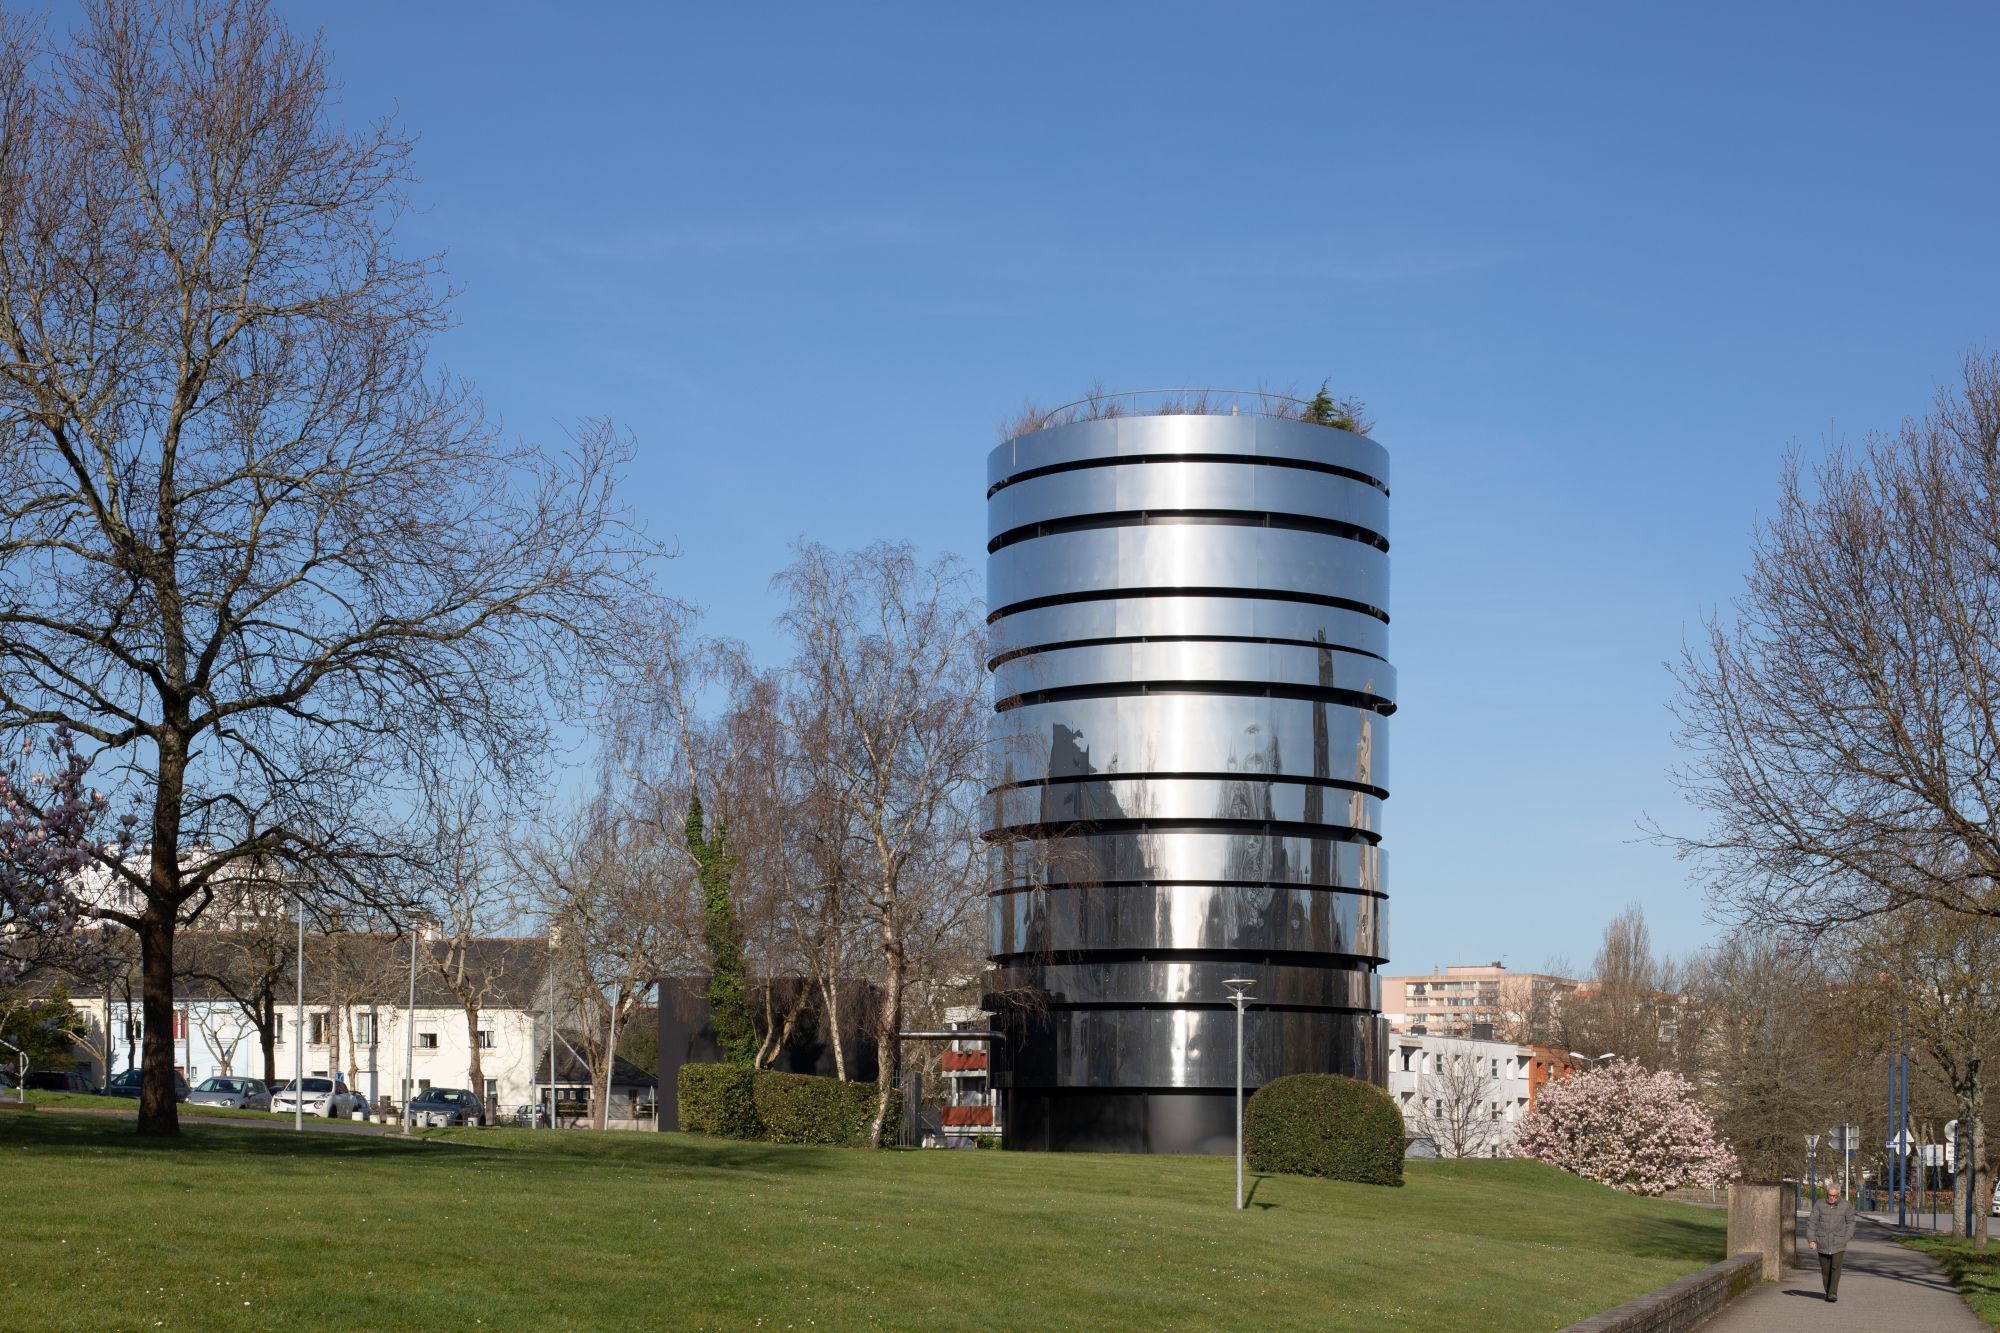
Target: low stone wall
{"points": [[1680, 1305]]}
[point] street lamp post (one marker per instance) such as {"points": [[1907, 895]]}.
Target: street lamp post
{"points": [[1239, 988], [299, 1031], [410, 1035], [1812, 1167]]}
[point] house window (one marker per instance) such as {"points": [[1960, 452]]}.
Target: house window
{"points": [[180, 1025], [321, 1025], [486, 1039], [427, 1041], [1496, 1067], [492, 1093], [364, 1029], [423, 1085]]}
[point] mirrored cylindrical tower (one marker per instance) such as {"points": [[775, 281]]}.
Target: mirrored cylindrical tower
{"points": [[1193, 688]]}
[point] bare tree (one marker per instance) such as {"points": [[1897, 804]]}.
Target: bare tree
{"points": [[1456, 1106], [1760, 1039], [616, 922], [1936, 973], [473, 899], [896, 650], [252, 546], [1845, 723], [1629, 1006]]}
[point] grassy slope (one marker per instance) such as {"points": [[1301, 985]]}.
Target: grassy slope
{"points": [[235, 1228], [1976, 1273]]}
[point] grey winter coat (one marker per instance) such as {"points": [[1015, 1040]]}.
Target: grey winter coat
{"points": [[1831, 1226]]}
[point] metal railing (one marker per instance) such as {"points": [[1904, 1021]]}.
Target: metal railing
{"points": [[1171, 402]]}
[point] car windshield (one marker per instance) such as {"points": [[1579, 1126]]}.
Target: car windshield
{"points": [[126, 1079], [220, 1085], [310, 1085]]}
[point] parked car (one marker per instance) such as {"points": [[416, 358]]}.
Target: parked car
{"points": [[127, 1085], [447, 1106], [250, 1093], [531, 1116], [319, 1096], [58, 1080]]}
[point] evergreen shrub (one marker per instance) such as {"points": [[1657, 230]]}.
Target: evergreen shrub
{"points": [[1325, 1125], [718, 1100], [730, 1101], [804, 1108]]}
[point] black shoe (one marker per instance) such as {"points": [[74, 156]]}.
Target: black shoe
{"points": [[1831, 1299]]}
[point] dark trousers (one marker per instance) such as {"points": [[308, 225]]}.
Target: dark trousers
{"points": [[1829, 1271]]}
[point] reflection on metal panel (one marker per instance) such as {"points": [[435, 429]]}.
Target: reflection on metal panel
{"points": [[1191, 622]]}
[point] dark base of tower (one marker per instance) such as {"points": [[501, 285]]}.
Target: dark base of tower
{"points": [[1167, 1121]]}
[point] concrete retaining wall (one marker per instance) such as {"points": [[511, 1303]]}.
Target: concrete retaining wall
{"points": [[1680, 1305]]}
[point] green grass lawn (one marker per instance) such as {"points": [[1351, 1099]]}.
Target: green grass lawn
{"points": [[83, 1101], [1976, 1273], [237, 1228]]}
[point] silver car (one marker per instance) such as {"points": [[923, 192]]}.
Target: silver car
{"points": [[318, 1096], [446, 1106], [250, 1093]]}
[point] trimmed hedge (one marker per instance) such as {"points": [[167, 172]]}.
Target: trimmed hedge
{"points": [[803, 1108], [1325, 1125], [718, 1099], [733, 1102]]}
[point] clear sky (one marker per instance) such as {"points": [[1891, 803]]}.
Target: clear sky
{"points": [[1591, 269]]}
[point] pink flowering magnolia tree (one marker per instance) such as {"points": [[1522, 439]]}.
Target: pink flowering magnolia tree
{"points": [[1628, 1128], [48, 823]]}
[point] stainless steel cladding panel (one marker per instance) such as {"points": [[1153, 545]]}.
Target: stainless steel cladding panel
{"points": [[1191, 617]]}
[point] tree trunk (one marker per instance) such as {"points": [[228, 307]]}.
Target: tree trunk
{"points": [[159, 1113], [888, 1045], [476, 1070], [603, 1116], [267, 1034], [831, 988]]}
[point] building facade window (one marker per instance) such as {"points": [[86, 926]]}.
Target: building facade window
{"points": [[486, 1039], [364, 1029], [427, 1041], [320, 1025]]}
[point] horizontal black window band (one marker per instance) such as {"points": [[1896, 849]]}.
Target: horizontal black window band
{"points": [[1122, 460], [1297, 780], [1271, 828], [1245, 594], [1233, 689], [1012, 654], [1152, 518], [1317, 962], [1188, 883]]}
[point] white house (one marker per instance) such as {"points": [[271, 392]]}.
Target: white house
{"points": [[1460, 1096], [375, 1039]]}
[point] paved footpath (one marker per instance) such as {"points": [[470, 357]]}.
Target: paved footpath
{"points": [[1883, 1286]]}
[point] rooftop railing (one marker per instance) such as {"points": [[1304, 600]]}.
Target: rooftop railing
{"points": [[1340, 414]]}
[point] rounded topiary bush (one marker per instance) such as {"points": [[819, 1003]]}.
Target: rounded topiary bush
{"points": [[1325, 1125]]}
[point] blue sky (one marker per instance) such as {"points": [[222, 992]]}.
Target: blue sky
{"points": [[1592, 269]]}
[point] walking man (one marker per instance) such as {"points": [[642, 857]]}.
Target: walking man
{"points": [[1830, 1228]]}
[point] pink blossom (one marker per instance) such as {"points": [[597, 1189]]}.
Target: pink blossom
{"points": [[1628, 1128], [47, 825]]}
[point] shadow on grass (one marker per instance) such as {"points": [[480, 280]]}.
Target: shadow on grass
{"points": [[1684, 1239], [98, 1135]]}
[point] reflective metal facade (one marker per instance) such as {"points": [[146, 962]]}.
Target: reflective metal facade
{"points": [[1191, 674]]}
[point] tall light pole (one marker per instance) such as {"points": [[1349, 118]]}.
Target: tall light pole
{"points": [[1239, 995], [299, 1031], [410, 1035]]}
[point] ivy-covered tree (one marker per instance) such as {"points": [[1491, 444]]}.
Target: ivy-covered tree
{"points": [[728, 990]]}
